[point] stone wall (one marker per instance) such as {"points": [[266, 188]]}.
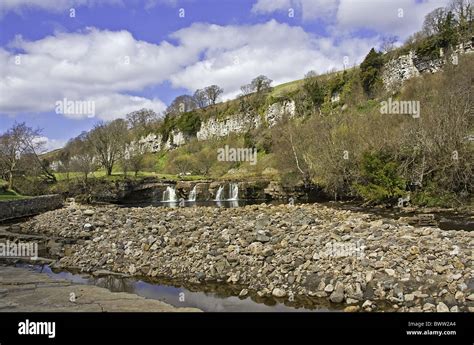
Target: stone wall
{"points": [[28, 207]]}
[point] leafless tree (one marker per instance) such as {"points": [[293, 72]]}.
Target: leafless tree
{"points": [[108, 141]]}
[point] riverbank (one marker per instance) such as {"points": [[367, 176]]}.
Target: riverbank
{"points": [[353, 260], [23, 290]]}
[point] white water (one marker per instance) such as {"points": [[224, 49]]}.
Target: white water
{"points": [[169, 195], [234, 191], [192, 194], [219, 193]]}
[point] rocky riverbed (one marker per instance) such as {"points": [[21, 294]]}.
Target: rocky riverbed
{"points": [[353, 260]]}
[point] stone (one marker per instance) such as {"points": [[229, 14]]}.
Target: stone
{"points": [[88, 212], [329, 288], [337, 296], [277, 292], [470, 297], [459, 295], [88, 227], [243, 293], [409, 297], [390, 272], [351, 309], [442, 308]]}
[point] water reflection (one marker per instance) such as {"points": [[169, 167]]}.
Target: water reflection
{"points": [[211, 298]]}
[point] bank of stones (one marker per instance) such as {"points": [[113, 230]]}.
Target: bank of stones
{"points": [[351, 259]]}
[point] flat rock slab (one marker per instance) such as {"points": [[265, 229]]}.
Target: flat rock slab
{"points": [[23, 290]]}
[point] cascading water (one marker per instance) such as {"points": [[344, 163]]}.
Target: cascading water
{"points": [[234, 191], [169, 195], [192, 194], [219, 193]]}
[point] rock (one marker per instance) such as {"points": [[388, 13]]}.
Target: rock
{"points": [[442, 308], [470, 297], [329, 288], [88, 212], [390, 272], [131, 269], [88, 227], [459, 295], [428, 307], [454, 309], [243, 293], [277, 292], [351, 309], [337, 295], [409, 297], [367, 304]]}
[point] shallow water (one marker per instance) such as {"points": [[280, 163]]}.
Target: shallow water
{"points": [[217, 298]]}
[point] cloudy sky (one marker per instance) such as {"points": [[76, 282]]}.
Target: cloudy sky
{"points": [[123, 55]]}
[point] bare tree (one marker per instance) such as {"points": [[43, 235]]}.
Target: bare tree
{"points": [[434, 21], [18, 141], [82, 155], [213, 92], [181, 104], [261, 84], [201, 99], [108, 141], [388, 43]]}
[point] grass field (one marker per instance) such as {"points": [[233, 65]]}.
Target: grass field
{"points": [[10, 195]]}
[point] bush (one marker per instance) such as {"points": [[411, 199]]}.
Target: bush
{"points": [[380, 179]]}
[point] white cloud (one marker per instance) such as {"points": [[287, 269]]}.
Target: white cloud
{"points": [[233, 55], [306, 9], [92, 64], [51, 5], [400, 18], [386, 17]]}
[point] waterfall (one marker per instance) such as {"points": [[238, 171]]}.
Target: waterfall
{"points": [[192, 194], [219, 193], [169, 195], [233, 191]]}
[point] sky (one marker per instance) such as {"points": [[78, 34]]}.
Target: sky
{"points": [[118, 56]]}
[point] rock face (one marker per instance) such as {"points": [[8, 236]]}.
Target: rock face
{"points": [[399, 70], [300, 251]]}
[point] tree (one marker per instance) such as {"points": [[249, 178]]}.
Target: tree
{"points": [[462, 13], [108, 141], [17, 142], [200, 97], [213, 92], [434, 21], [388, 43], [370, 70], [181, 104], [261, 84], [312, 89], [82, 154], [140, 120]]}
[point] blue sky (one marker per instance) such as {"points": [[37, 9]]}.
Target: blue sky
{"points": [[123, 55]]}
